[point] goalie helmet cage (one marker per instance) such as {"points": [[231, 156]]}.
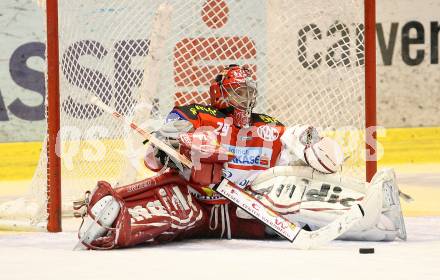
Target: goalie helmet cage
{"points": [[314, 62]]}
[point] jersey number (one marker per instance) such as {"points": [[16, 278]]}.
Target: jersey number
{"points": [[222, 129]]}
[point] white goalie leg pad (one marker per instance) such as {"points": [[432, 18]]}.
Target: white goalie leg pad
{"points": [[368, 229], [306, 196], [104, 213], [389, 223], [372, 205], [320, 198], [391, 207]]}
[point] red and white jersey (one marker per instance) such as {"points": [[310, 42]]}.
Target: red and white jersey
{"points": [[256, 148]]}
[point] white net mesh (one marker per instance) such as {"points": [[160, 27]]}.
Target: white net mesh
{"points": [[142, 58]]}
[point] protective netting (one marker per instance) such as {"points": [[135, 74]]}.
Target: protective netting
{"points": [[142, 58]]}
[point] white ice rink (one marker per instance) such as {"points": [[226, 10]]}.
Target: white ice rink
{"points": [[50, 256]]}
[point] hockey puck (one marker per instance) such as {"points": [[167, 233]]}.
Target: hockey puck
{"points": [[366, 250]]}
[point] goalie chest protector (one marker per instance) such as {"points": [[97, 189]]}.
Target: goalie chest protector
{"points": [[256, 148]]}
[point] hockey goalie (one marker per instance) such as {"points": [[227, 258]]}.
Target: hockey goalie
{"points": [[293, 171]]}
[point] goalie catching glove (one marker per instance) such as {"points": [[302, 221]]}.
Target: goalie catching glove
{"points": [[321, 153]]}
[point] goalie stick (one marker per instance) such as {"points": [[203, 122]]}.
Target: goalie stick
{"points": [[293, 232]]}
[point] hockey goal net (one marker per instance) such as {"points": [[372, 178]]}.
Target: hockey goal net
{"points": [[142, 57]]}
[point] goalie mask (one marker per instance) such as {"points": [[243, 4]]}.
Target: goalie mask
{"points": [[234, 87]]}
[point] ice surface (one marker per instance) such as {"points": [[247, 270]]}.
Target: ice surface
{"points": [[50, 256]]}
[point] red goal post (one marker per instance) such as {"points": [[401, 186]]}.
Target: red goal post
{"points": [[53, 119], [370, 84], [54, 185]]}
